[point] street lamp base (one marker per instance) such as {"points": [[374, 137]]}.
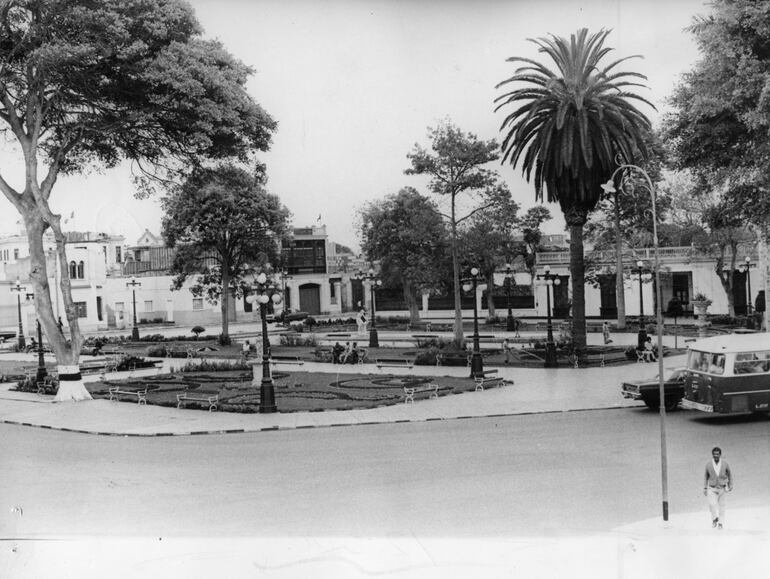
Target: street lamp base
{"points": [[374, 340], [509, 324], [477, 364], [641, 339], [135, 333], [267, 397], [550, 355], [22, 343]]}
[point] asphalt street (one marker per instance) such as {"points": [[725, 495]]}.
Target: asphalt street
{"points": [[573, 473]]}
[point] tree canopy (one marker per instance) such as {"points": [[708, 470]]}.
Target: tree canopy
{"points": [[406, 234], [223, 225], [94, 82], [456, 165], [719, 125]]}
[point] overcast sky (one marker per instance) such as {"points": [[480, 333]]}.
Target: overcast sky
{"points": [[354, 84]]}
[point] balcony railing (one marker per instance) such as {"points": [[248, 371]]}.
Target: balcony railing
{"points": [[683, 254]]}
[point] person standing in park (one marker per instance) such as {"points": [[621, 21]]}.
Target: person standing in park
{"points": [[717, 481], [606, 333], [361, 322]]}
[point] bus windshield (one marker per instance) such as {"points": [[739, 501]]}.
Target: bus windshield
{"points": [[706, 362]]}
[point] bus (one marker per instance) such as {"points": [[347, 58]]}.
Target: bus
{"points": [[728, 374]]}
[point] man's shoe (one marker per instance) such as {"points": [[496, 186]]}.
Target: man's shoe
{"points": [[714, 523]]}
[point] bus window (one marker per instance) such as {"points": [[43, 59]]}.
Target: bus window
{"points": [[699, 361], [717, 365], [752, 362]]}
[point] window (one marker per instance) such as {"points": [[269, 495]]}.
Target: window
{"points": [[73, 270], [197, 303], [81, 309], [118, 254], [148, 306], [752, 363], [15, 254], [247, 305], [81, 270]]}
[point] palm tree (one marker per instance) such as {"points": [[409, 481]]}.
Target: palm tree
{"points": [[570, 126]]}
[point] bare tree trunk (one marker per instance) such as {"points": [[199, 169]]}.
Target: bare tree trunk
{"points": [[728, 280], [225, 306], [491, 311], [459, 335], [410, 297], [620, 287], [71, 387]]}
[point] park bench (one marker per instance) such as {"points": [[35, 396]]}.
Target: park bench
{"points": [[116, 393], [212, 400], [394, 363], [291, 360], [453, 359], [410, 391], [427, 326], [323, 355], [489, 378], [47, 385]]}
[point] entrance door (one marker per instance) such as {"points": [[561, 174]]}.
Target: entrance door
{"points": [[310, 298], [608, 307]]}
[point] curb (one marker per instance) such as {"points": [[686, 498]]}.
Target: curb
{"points": [[302, 427]]}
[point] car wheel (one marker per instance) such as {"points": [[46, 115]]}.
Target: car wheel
{"points": [[672, 404], [652, 404]]}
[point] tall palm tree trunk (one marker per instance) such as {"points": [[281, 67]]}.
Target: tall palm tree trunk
{"points": [[575, 219]]}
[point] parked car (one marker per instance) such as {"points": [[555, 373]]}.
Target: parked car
{"points": [[648, 391]]}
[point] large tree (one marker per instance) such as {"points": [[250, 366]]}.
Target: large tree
{"points": [[406, 234], [487, 241], [569, 126], [223, 225], [457, 167], [721, 113], [94, 82]]}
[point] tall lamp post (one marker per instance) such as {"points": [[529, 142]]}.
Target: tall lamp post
{"points": [[509, 323], [550, 280], [18, 288], [284, 278], [642, 336], [133, 284], [41, 371], [477, 363], [609, 187], [748, 284], [374, 283], [266, 388]]}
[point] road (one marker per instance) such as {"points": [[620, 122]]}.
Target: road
{"points": [[573, 473]]}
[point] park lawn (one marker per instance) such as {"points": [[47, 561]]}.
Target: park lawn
{"points": [[294, 391]]}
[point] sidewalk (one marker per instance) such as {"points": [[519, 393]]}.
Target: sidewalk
{"points": [[535, 390]]}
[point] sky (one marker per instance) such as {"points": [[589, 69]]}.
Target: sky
{"points": [[355, 84]]}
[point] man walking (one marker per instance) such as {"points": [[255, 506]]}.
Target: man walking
{"points": [[717, 481]]}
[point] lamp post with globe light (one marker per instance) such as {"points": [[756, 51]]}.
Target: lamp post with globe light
{"points": [[266, 294], [509, 322], [609, 187], [477, 362], [374, 283], [18, 288], [549, 280], [133, 284]]}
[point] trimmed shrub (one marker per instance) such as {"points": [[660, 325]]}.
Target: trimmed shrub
{"points": [[197, 330]]}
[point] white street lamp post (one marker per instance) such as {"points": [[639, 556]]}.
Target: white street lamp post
{"points": [[609, 187]]}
